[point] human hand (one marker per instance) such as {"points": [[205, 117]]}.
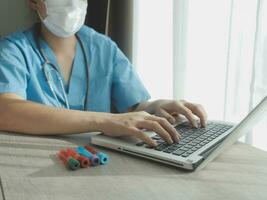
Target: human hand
{"points": [[133, 124], [171, 110]]}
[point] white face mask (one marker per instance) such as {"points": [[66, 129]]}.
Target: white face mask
{"points": [[65, 17]]}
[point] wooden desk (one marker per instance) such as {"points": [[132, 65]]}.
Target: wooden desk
{"points": [[29, 170]]}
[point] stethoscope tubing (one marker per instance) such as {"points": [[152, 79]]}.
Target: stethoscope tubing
{"points": [[50, 80]]}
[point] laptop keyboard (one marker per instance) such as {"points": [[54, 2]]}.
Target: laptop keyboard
{"points": [[192, 138]]}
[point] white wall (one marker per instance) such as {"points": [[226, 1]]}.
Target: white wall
{"points": [[14, 15]]}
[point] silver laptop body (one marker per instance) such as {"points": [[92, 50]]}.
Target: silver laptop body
{"points": [[198, 152]]}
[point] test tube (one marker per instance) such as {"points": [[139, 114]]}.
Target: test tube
{"points": [[84, 161], [102, 156], [93, 158], [68, 161]]}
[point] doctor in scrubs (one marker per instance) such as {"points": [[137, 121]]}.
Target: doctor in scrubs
{"points": [[62, 77]]}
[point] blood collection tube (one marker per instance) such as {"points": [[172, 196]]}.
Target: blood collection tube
{"points": [[102, 156], [93, 158], [68, 161], [84, 161]]}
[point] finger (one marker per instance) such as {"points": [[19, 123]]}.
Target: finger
{"points": [[32, 4], [189, 115], [168, 127], [199, 111], [166, 115], [202, 116], [157, 128], [142, 136], [36, 4]]}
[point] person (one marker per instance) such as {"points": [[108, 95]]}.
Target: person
{"points": [[62, 77]]}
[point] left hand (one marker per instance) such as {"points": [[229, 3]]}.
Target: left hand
{"points": [[171, 110]]}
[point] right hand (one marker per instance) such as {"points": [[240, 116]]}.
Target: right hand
{"points": [[133, 124]]}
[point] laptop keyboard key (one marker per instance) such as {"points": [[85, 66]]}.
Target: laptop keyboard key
{"points": [[162, 146], [188, 146], [174, 147], [178, 145], [190, 151], [184, 149], [156, 137], [160, 142], [178, 153], [194, 148], [169, 150], [185, 154], [140, 144]]}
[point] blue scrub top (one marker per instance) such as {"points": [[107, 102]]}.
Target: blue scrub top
{"points": [[112, 79]]}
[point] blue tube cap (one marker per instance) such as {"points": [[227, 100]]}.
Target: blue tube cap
{"points": [[103, 158]]}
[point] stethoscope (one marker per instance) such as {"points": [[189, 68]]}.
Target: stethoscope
{"points": [[50, 79]]}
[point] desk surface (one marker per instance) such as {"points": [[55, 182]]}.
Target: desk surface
{"points": [[30, 169]]}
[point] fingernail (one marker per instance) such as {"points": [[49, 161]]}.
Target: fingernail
{"points": [[176, 138], [179, 137], [172, 120]]}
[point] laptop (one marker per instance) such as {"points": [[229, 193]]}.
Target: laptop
{"points": [[198, 146]]}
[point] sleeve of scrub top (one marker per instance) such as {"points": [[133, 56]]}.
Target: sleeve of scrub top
{"points": [[13, 71], [127, 88]]}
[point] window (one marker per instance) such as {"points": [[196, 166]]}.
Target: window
{"points": [[222, 45]]}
